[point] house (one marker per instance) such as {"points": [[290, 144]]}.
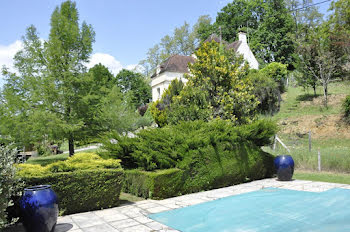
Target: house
{"points": [[176, 66]]}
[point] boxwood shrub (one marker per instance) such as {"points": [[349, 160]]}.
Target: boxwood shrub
{"points": [[83, 190], [82, 183]]}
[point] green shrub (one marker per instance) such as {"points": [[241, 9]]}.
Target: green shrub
{"points": [[159, 184], [266, 89], [162, 148], [84, 190], [119, 147], [9, 184], [82, 183], [346, 109], [278, 72], [201, 172], [205, 155], [80, 161]]}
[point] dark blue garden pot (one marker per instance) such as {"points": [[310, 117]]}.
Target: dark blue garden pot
{"points": [[39, 208], [284, 165]]}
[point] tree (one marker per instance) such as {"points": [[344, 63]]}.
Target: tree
{"points": [[306, 19], [68, 48], [339, 33], [317, 57], [183, 41], [160, 107], [47, 95], [269, 26], [217, 87], [134, 84]]}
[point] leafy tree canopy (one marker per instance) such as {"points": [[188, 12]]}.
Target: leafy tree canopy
{"points": [[217, 87], [134, 84]]}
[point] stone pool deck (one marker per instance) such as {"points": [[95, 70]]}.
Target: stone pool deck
{"points": [[133, 217]]}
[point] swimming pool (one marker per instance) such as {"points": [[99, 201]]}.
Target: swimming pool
{"points": [[266, 210]]}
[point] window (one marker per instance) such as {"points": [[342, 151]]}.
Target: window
{"points": [[158, 91]]}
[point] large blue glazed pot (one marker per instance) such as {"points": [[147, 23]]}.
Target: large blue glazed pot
{"points": [[284, 165], [39, 208]]}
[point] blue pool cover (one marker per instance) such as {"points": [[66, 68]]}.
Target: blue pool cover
{"points": [[266, 210]]}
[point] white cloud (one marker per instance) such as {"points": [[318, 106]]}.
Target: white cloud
{"points": [[8, 52], [135, 67], [111, 63], [107, 60]]}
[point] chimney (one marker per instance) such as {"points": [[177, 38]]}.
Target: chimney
{"points": [[242, 37]]}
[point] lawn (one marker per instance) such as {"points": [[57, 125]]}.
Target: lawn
{"points": [[45, 160], [302, 112], [322, 176]]}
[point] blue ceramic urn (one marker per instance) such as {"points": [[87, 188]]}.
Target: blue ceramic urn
{"points": [[39, 209], [284, 165]]}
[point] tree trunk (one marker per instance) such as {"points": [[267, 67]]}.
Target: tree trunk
{"points": [[314, 87], [325, 94], [71, 145]]}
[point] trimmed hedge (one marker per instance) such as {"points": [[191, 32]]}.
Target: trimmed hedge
{"points": [[156, 185], [84, 190], [82, 183], [247, 163]]}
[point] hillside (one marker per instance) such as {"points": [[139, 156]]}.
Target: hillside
{"points": [[302, 112]]}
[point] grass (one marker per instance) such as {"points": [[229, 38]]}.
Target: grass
{"points": [[45, 160], [126, 198], [340, 178], [292, 100], [335, 150]]}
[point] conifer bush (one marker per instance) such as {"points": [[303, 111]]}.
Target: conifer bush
{"points": [[9, 184]]}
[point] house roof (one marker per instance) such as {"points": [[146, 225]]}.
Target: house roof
{"points": [[179, 63], [235, 45], [175, 63]]}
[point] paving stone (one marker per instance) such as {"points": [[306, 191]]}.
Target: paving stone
{"points": [[158, 209], [138, 228], [168, 230], [84, 220], [110, 215], [124, 223], [148, 205], [156, 226], [63, 227], [100, 228], [143, 219]]}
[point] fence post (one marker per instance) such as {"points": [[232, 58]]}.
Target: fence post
{"points": [[274, 142], [319, 161], [309, 141]]}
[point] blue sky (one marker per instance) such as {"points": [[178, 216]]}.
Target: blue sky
{"points": [[124, 29]]}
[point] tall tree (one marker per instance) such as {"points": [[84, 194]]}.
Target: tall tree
{"points": [[48, 91], [339, 29], [306, 19], [269, 26], [134, 85], [69, 46], [318, 58], [217, 87], [184, 41]]}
